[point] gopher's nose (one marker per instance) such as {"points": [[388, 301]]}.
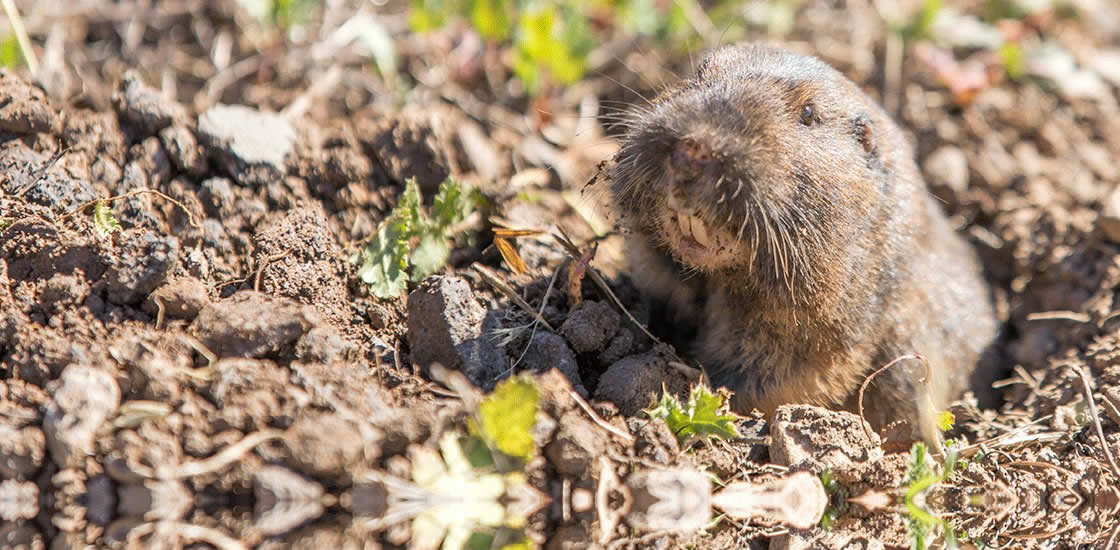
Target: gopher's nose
{"points": [[690, 158]]}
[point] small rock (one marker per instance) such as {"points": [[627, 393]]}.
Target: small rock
{"points": [[252, 394], [252, 324], [217, 197], [21, 451], [947, 166], [1109, 220], [815, 438], [82, 400], [182, 298], [549, 350], [633, 383], [324, 444], [184, 151], [303, 261], [590, 327], [447, 326], [139, 265], [251, 144], [322, 344], [147, 108], [23, 107]]}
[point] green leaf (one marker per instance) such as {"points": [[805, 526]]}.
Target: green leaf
{"points": [[287, 13], [429, 15], [491, 18], [1013, 60], [383, 261], [556, 45], [705, 415], [429, 255], [410, 242], [507, 416], [452, 204], [920, 25], [104, 223], [11, 55]]}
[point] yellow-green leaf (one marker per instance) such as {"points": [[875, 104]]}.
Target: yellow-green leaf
{"points": [[104, 223], [507, 416], [945, 420]]}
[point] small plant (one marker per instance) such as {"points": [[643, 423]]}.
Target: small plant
{"points": [[550, 39], [11, 55], [281, 13], [411, 242], [506, 418], [837, 499], [104, 222], [475, 473], [924, 523], [921, 24], [705, 414]]}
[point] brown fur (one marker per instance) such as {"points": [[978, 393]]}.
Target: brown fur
{"points": [[830, 257]]}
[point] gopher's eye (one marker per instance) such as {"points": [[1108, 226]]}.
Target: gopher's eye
{"points": [[808, 115]]}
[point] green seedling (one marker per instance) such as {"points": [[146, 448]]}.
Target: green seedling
{"points": [[104, 222], [506, 418], [837, 499], [1014, 61], [552, 44], [462, 504], [280, 13], [11, 55], [921, 477], [920, 25], [412, 243], [705, 414], [471, 493]]}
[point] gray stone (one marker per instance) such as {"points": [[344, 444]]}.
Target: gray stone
{"points": [[447, 326], [250, 144]]}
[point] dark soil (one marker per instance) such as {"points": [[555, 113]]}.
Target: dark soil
{"points": [[214, 374]]}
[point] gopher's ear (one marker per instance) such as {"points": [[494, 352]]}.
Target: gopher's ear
{"points": [[865, 132]]}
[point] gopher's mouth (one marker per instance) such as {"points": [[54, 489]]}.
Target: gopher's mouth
{"points": [[695, 242]]}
